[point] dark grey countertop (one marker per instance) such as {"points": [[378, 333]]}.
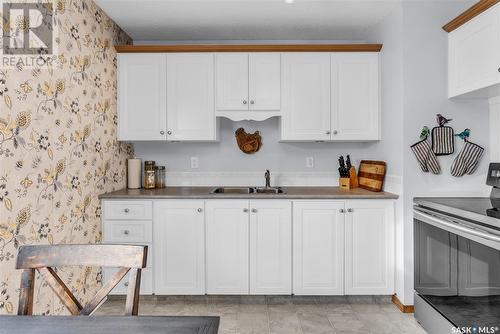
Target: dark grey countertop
{"points": [[204, 193]]}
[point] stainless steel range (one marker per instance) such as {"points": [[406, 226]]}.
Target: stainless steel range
{"points": [[457, 263]]}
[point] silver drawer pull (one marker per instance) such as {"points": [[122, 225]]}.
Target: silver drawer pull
{"points": [[126, 284], [126, 210], [200, 210], [254, 210], [126, 232]]}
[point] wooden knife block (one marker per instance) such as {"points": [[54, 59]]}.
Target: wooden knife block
{"points": [[350, 182]]}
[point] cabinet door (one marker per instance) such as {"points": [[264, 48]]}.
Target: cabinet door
{"points": [[190, 96], [264, 81], [231, 81], [369, 237], [270, 247], [142, 111], [474, 53], [355, 96], [227, 246], [179, 261], [305, 96], [318, 247]]}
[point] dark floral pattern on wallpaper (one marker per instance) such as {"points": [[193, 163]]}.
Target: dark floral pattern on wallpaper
{"points": [[58, 149]]}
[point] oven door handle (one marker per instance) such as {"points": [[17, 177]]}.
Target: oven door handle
{"points": [[455, 226]]}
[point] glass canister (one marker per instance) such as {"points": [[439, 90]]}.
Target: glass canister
{"points": [[161, 177], [149, 174]]}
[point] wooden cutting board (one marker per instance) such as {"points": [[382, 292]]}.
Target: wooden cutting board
{"points": [[371, 175]]}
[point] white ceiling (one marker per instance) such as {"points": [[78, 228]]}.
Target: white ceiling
{"points": [[177, 20]]}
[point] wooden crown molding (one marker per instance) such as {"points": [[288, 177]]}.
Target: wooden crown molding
{"points": [[251, 48], [469, 14], [400, 306]]}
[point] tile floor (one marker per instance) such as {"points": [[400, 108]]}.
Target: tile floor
{"points": [[282, 314]]}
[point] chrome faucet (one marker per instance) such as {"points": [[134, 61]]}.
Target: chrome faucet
{"points": [[267, 175]]}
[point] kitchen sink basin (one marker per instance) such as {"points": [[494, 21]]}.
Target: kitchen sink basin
{"points": [[247, 190], [269, 190], [233, 190]]}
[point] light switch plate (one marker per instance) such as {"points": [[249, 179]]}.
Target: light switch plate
{"points": [[195, 163], [310, 162]]}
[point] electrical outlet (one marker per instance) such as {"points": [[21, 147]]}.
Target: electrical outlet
{"points": [[195, 163], [310, 162]]}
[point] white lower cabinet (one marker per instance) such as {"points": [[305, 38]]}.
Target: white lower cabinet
{"points": [[318, 247], [369, 247], [227, 224], [122, 286], [179, 239], [233, 246], [270, 247]]}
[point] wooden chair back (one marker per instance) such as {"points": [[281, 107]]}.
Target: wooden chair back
{"points": [[44, 258]]}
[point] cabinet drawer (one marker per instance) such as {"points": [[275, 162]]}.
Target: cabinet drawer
{"points": [[124, 210], [128, 231], [122, 286]]}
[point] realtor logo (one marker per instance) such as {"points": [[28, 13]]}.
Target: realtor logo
{"points": [[28, 33]]}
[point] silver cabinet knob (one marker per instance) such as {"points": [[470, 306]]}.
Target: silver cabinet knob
{"points": [[200, 210], [254, 210], [169, 132], [252, 102], [327, 132], [162, 132], [499, 69], [342, 211], [245, 210], [244, 101], [349, 210], [126, 210], [335, 132], [126, 232], [126, 284]]}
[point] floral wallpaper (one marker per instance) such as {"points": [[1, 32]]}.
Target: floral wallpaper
{"points": [[58, 150]]}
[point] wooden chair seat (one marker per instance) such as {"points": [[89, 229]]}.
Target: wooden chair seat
{"points": [[44, 258]]}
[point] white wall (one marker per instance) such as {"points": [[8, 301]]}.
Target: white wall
{"points": [[390, 33], [274, 155], [425, 85]]}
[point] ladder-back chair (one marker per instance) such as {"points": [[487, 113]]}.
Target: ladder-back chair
{"points": [[43, 258]]}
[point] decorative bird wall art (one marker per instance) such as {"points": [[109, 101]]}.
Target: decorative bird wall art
{"points": [[248, 143], [442, 120], [464, 135], [424, 134]]}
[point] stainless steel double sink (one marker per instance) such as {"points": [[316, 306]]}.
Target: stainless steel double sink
{"points": [[247, 190]]}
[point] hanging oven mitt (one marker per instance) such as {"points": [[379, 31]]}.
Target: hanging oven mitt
{"points": [[443, 139], [468, 159], [424, 154]]}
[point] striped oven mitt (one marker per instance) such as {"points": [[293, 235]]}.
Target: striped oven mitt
{"points": [[426, 157], [467, 160]]}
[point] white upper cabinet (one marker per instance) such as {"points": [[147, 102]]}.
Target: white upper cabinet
{"points": [[190, 97], [474, 56], [142, 96], [227, 252], [318, 247], [270, 247], [355, 96], [320, 96], [305, 85], [264, 81], [231, 81], [248, 85], [179, 241], [369, 247]]}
